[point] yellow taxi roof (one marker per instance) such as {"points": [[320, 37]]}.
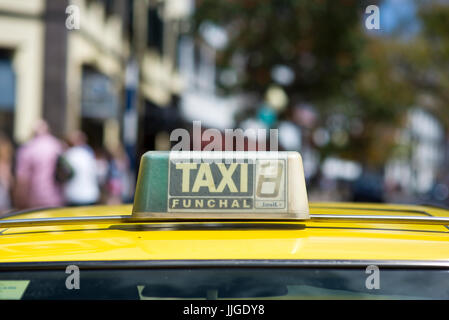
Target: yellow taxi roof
{"points": [[245, 240]]}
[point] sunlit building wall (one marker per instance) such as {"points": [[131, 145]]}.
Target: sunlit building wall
{"points": [[427, 149], [417, 170], [21, 65]]}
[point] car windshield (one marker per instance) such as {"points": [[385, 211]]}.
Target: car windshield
{"points": [[226, 283]]}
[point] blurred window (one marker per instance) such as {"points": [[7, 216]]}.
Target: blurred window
{"points": [[90, 2], [155, 29], [108, 8], [7, 93], [7, 82], [99, 95]]}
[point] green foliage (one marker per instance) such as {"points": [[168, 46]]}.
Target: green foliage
{"points": [[318, 40]]}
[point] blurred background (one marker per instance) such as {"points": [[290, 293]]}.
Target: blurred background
{"points": [[367, 108]]}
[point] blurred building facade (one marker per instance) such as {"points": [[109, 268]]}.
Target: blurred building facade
{"points": [[71, 78], [156, 29], [96, 56]]}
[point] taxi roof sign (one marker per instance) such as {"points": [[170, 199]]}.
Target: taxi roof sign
{"points": [[221, 185]]}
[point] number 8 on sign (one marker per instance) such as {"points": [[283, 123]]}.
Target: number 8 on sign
{"points": [[270, 179], [270, 184]]}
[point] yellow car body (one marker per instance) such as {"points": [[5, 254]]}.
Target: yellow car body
{"points": [[308, 240], [329, 256]]}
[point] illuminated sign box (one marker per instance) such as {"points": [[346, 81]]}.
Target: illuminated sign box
{"points": [[221, 185]]}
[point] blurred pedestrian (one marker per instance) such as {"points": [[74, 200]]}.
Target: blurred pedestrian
{"points": [[6, 178], [119, 179], [36, 185], [102, 159], [82, 188]]}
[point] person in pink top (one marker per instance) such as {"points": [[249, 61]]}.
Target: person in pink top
{"points": [[36, 185]]}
